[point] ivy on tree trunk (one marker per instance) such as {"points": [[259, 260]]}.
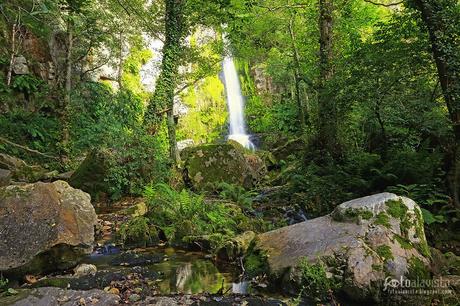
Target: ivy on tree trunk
{"points": [[163, 97]]}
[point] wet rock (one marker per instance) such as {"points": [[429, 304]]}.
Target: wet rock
{"points": [[44, 227], [207, 165], [84, 269], [362, 242], [50, 296], [209, 300], [136, 259], [5, 177], [101, 280]]}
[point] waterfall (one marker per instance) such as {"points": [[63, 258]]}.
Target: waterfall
{"points": [[235, 104]]}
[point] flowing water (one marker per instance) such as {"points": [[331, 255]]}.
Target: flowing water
{"points": [[235, 102]]}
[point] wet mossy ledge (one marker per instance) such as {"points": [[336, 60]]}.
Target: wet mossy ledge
{"points": [[351, 251]]}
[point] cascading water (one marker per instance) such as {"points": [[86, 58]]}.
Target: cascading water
{"points": [[235, 104]]}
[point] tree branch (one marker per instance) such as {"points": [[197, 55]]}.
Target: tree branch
{"points": [[384, 4], [26, 148]]}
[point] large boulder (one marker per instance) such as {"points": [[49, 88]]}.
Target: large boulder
{"points": [[44, 227], [208, 165], [91, 175], [361, 243]]}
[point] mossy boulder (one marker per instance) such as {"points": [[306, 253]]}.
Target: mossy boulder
{"points": [[358, 248], [44, 227], [207, 165], [91, 175]]}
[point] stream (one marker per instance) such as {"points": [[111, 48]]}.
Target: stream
{"points": [[175, 270]]}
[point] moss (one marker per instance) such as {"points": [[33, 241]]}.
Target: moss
{"points": [[92, 174], [405, 225], [353, 214], [403, 242], [255, 261], [60, 282], [422, 246], [396, 208], [314, 280], [417, 269], [382, 219], [384, 251], [377, 267]]}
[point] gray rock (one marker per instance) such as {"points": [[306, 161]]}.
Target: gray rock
{"points": [[20, 65], [44, 227], [5, 177], [376, 236], [134, 297], [84, 270], [50, 296]]}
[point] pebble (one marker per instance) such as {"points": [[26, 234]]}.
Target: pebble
{"points": [[134, 297]]}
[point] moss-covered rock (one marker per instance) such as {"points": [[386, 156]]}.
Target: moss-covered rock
{"points": [[91, 175], [20, 170], [361, 243], [207, 165]]}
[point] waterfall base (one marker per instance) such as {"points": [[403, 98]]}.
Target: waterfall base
{"points": [[242, 139]]}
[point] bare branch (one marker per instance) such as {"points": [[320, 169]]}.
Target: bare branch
{"points": [[384, 4], [26, 148]]}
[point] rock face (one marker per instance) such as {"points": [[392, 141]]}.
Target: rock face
{"points": [[5, 177], [44, 227], [362, 242], [214, 163], [20, 171], [49, 296]]}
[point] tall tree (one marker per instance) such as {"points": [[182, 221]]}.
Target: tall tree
{"points": [[327, 125], [175, 31], [442, 19]]}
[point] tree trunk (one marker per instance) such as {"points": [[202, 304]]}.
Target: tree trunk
{"points": [[13, 54], [120, 62], [68, 80], [297, 78], [327, 125], [445, 51], [163, 97]]}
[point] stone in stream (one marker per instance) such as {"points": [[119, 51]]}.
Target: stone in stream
{"points": [[210, 164], [84, 269], [51, 296], [44, 227], [361, 243]]}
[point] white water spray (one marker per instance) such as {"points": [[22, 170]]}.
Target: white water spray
{"points": [[235, 104]]}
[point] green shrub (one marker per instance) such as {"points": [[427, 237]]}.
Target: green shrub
{"points": [[184, 216], [138, 232], [237, 194], [315, 282]]}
